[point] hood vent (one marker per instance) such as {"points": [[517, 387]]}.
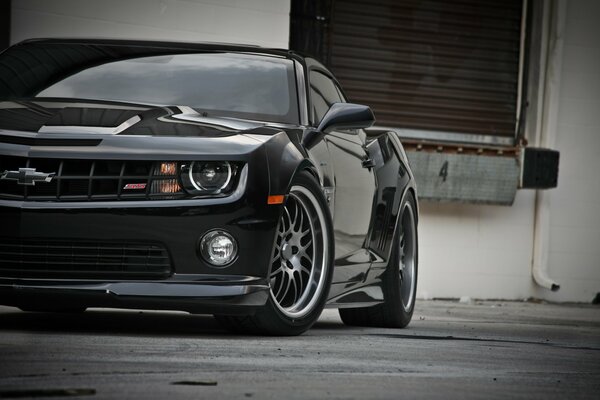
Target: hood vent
{"points": [[102, 130]]}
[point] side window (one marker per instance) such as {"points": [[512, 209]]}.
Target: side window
{"points": [[323, 93]]}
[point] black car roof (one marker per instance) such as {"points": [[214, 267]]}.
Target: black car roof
{"points": [[206, 46]]}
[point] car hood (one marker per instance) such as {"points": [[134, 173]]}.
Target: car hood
{"points": [[112, 118], [110, 130]]}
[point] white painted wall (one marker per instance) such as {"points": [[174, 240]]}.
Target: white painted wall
{"points": [[465, 250], [574, 251], [479, 251], [258, 22]]}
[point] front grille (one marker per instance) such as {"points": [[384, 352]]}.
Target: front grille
{"points": [[86, 260], [87, 180]]}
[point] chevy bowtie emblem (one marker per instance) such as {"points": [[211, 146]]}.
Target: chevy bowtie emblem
{"points": [[27, 176]]}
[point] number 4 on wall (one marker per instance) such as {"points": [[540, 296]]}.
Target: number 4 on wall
{"points": [[444, 171]]}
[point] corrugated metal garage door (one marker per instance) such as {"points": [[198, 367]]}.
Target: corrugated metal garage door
{"points": [[450, 66]]}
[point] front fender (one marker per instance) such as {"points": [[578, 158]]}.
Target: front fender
{"points": [[284, 161]]}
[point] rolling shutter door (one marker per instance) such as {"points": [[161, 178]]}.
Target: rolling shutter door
{"points": [[431, 65]]}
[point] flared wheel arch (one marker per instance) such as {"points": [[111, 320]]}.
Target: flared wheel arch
{"points": [[271, 319]]}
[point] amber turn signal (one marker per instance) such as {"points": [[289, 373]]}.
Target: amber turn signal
{"points": [[167, 186], [276, 199], [167, 168]]}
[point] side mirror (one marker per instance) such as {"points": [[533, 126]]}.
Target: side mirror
{"points": [[341, 116], [346, 116]]}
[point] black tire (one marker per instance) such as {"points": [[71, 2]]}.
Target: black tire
{"points": [[397, 309], [303, 254]]}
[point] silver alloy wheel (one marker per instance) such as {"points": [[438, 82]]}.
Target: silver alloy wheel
{"points": [[407, 254], [299, 261]]}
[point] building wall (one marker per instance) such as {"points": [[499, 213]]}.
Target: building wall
{"points": [[480, 251], [486, 251], [465, 250], [258, 22], [574, 237]]}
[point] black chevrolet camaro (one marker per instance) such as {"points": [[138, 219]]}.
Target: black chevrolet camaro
{"points": [[221, 179]]}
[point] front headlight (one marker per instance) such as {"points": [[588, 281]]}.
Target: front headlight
{"points": [[176, 179], [208, 177]]}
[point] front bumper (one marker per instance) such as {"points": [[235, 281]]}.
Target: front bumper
{"points": [[229, 295], [193, 285]]}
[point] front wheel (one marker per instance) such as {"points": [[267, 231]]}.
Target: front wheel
{"points": [[301, 266], [399, 282]]}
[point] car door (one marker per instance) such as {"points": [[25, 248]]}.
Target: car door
{"points": [[355, 185]]}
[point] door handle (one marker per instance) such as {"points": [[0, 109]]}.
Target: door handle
{"points": [[368, 163]]}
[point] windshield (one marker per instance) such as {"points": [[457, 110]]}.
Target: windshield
{"points": [[240, 85]]}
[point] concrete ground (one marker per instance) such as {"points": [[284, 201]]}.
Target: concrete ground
{"points": [[451, 350]]}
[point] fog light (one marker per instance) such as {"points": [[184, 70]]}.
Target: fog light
{"points": [[218, 248]]}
